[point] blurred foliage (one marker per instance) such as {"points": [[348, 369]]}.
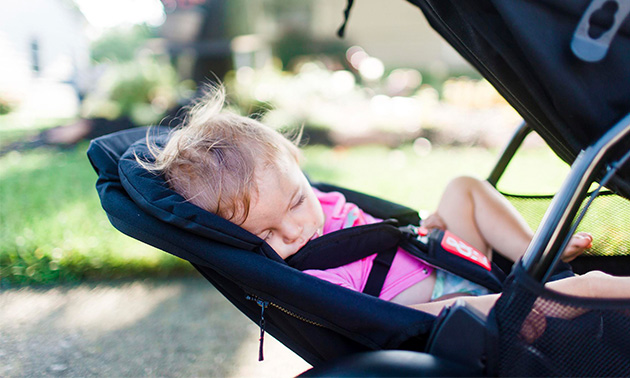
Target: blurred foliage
{"points": [[6, 105], [355, 100], [294, 47], [143, 90], [133, 82], [121, 44]]}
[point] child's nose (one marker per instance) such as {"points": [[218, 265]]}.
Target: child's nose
{"points": [[292, 231]]}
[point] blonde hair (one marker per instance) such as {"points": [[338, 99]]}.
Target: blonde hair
{"points": [[211, 159]]}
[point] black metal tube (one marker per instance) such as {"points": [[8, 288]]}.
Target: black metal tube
{"points": [[544, 250], [508, 153]]}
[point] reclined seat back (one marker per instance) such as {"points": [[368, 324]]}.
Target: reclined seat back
{"points": [[316, 319]]}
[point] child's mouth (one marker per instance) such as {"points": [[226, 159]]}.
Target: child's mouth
{"points": [[316, 234]]}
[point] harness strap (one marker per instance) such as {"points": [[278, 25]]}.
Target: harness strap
{"points": [[378, 273]]}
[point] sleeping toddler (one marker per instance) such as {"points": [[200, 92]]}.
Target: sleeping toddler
{"points": [[249, 174]]}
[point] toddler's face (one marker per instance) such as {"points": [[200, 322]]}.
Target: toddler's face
{"points": [[286, 212]]}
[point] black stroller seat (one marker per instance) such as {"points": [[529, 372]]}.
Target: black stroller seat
{"points": [[320, 321]]}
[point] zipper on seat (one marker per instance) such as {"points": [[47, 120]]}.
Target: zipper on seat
{"points": [[263, 305]]}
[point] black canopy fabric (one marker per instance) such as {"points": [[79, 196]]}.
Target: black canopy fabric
{"points": [[523, 48]]}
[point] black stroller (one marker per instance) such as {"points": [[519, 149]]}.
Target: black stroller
{"points": [[565, 66]]}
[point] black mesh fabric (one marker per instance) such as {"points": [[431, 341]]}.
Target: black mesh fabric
{"points": [[607, 219], [543, 333]]}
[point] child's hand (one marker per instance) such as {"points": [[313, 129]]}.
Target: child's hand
{"points": [[534, 326], [433, 221], [535, 323]]}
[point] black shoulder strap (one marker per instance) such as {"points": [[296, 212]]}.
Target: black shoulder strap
{"points": [[345, 246], [380, 268]]}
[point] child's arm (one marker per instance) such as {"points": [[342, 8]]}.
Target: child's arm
{"points": [[593, 284], [483, 303], [590, 285]]}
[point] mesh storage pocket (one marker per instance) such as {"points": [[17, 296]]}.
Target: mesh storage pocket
{"points": [[543, 333], [607, 219]]}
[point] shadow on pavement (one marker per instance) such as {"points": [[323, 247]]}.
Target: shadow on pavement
{"points": [[168, 328]]}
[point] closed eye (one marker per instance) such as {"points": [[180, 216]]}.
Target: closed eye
{"points": [[299, 202], [265, 235]]}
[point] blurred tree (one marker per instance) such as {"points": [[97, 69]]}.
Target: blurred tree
{"points": [[6, 106], [292, 46], [121, 44], [195, 37], [143, 90]]}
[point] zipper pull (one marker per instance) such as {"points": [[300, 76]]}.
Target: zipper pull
{"points": [[263, 305]]}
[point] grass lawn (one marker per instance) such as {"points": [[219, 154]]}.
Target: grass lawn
{"points": [[14, 128], [54, 230]]}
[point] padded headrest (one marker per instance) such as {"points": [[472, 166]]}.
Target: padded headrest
{"points": [[152, 195]]}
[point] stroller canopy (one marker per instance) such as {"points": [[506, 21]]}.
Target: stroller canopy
{"points": [[523, 48]]}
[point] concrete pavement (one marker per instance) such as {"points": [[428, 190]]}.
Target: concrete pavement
{"points": [[166, 328]]}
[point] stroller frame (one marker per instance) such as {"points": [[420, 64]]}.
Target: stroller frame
{"points": [[552, 235], [563, 199], [538, 262]]}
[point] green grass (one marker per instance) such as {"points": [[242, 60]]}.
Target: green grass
{"points": [[417, 181], [53, 228], [14, 128]]}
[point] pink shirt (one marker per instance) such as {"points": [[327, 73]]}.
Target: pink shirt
{"points": [[406, 270]]}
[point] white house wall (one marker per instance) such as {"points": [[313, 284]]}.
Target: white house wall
{"points": [[57, 28]]}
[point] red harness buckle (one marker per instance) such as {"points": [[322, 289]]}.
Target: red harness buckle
{"points": [[459, 247]]}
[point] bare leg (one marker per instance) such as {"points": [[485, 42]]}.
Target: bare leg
{"points": [[476, 212]]}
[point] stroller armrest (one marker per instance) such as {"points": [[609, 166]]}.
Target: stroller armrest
{"points": [[459, 325]]}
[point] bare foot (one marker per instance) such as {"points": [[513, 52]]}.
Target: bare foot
{"points": [[579, 242]]}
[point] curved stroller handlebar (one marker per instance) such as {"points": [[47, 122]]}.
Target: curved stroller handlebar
{"points": [[551, 237]]}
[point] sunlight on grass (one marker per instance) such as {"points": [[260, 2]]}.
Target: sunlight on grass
{"points": [[54, 229], [417, 181], [15, 122], [534, 171], [16, 164]]}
